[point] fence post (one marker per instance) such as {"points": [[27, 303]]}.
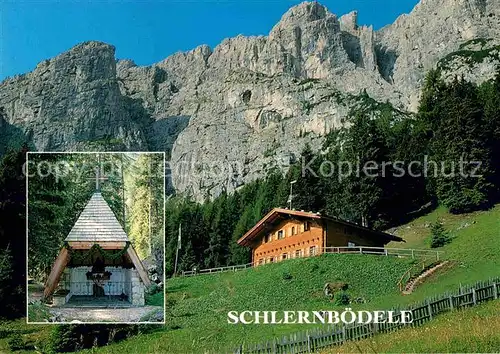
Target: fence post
{"points": [[429, 309], [412, 253], [495, 291], [344, 339], [451, 302], [309, 349], [360, 250], [385, 251], [474, 296]]}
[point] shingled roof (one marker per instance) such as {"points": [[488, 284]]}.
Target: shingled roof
{"points": [[97, 222], [279, 214]]}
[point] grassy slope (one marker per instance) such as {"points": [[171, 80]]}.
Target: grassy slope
{"points": [[197, 307], [193, 301], [32, 335], [475, 249], [473, 330]]}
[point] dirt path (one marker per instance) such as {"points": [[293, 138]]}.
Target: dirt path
{"points": [[412, 284], [130, 314]]}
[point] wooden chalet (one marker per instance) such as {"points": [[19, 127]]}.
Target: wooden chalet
{"points": [[97, 260], [285, 233]]}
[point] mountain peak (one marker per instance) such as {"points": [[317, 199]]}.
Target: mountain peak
{"points": [[307, 11]]}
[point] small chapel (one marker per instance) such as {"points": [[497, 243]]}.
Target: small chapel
{"points": [[97, 264]]}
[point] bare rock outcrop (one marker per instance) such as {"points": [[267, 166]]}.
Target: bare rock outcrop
{"points": [[227, 115], [72, 100]]}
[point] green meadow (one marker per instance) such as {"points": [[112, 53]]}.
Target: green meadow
{"points": [[471, 330], [197, 306]]}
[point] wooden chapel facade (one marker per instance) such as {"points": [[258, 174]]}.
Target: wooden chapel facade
{"points": [[96, 250]]}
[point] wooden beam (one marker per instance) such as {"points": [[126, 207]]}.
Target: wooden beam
{"points": [[138, 265], [56, 272], [107, 245]]}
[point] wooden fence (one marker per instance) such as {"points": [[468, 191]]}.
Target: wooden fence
{"points": [[190, 273], [381, 251], [397, 252], [415, 270], [311, 341]]}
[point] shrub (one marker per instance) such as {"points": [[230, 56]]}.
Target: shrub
{"points": [[153, 289], [38, 312], [16, 342], [70, 338], [286, 275], [342, 298], [439, 236], [5, 333]]}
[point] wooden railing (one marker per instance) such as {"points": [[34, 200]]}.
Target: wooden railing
{"points": [[337, 334], [398, 252], [234, 268], [414, 270], [381, 251]]}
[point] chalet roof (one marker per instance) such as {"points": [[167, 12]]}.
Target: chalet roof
{"points": [[279, 214], [97, 222]]}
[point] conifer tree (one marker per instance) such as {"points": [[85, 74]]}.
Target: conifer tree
{"points": [[12, 234], [460, 143], [307, 193]]}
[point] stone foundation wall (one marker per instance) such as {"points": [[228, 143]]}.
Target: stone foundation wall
{"points": [[137, 296]]}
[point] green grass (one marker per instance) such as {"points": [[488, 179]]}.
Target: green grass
{"points": [[29, 336], [155, 299], [197, 307], [38, 312], [472, 330], [474, 249]]}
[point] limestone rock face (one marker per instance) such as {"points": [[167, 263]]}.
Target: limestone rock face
{"points": [[413, 44], [227, 115], [475, 61], [359, 42], [71, 100]]}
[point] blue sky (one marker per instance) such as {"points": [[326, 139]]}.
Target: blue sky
{"points": [[149, 31]]}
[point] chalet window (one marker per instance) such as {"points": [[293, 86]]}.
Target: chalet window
{"points": [[261, 261], [293, 230], [280, 234], [307, 227], [269, 238], [312, 251], [298, 253], [284, 256], [271, 260]]}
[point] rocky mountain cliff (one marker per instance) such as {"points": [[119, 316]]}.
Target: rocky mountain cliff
{"points": [[227, 115]]}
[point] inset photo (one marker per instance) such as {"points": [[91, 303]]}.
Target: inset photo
{"points": [[95, 237]]}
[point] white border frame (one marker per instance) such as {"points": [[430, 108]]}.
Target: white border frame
{"points": [[164, 233]]}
